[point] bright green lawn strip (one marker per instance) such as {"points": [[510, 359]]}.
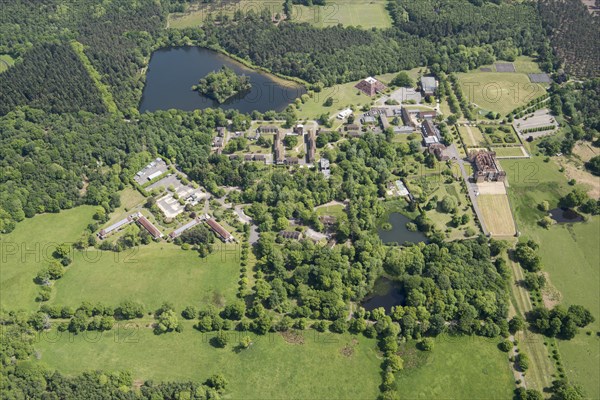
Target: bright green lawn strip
{"points": [[335, 210], [29, 248], [151, 275], [466, 367], [270, 369], [508, 151], [6, 62]]}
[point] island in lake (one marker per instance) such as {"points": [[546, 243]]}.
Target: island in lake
{"points": [[223, 84]]}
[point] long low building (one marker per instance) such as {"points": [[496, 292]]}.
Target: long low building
{"points": [[149, 226], [115, 227], [177, 232], [219, 230]]}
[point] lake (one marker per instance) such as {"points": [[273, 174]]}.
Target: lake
{"points": [[399, 233], [386, 294], [173, 71], [565, 215]]}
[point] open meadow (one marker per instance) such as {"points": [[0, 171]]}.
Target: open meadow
{"points": [[151, 275], [29, 247], [501, 92], [306, 366], [366, 14], [335, 210], [130, 198], [570, 254], [198, 12], [466, 367], [347, 13]]}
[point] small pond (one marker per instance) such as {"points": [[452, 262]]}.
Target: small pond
{"points": [[399, 233], [386, 294], [173, 71], [565, 215]]}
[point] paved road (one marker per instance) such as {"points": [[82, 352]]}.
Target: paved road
{"points": [[254, 235], [471, 187]]}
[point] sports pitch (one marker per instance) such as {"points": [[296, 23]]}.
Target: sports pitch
{"points": [[497, 214]]}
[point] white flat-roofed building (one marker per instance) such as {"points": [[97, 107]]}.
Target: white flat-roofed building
{"points": [[115, 227], [344, 113], [177, 232], [154, 175]]}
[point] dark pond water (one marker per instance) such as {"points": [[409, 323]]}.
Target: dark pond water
{"points": [[173, 71], [564, 215], [386, 294], [399, 233]]}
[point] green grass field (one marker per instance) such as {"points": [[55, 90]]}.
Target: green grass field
{"points": [[371, 14], [526, 65], [509, 151], [497, 214], [344, 95], [570, 254], [366, 14], [6, 62], [458, 368], [501, 92], [471, 136], [531, 182], [336, 210], [151, 275], [129, 199], [197, 13], [29, 248], [324, 366]]}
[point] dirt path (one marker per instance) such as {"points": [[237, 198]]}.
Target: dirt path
{"points": [[539, 375]]}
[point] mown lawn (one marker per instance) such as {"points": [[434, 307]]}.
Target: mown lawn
{"points": [[466, 367], [198, 12], [499, 91], [151, 275], [366, 14], [336, 210], [509, 151], [497, 214], [570, 254], [324, 366], [6, 62], [344, 96], [129, 199], [29, 247]]}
